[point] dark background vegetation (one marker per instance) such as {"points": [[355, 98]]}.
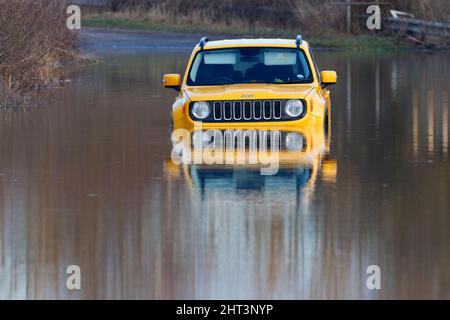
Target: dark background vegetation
{"points": [[313, 17]]}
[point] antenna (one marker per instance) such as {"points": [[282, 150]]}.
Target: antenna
{"points": [[202, 42], [298, 40]]}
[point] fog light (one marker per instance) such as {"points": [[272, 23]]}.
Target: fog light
{"points": [[294, 108], [294, 141], [201, 110]]}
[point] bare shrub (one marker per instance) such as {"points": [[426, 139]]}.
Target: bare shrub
{"points": [[437, 10], [35, 45]]}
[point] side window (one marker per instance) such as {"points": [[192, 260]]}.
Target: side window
{"points": [[315, 64]]}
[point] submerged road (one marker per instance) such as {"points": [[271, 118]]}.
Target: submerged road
{"points": [[87, 180], [122, 41]]}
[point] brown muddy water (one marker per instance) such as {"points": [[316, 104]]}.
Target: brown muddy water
{"points": [[85, 180]]}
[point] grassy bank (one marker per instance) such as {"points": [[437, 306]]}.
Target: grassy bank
{"points": [[337, 41]]}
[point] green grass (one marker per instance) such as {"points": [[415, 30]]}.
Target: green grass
{"points": [[358, 42], [338, 42]]}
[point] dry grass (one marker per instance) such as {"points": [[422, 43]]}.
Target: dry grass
{"points": [[437, 10], [35, 45], [309, 16]]}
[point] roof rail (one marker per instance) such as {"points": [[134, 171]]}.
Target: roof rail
{"points": [[202, 42], [298, 40]]}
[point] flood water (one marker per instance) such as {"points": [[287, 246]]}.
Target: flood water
{"points": [[86, 180]]}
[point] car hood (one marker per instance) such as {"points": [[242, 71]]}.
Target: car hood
{"points": [[249, 92]]}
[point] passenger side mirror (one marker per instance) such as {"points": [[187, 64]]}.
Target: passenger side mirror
{"points": [[328, 78], [172, 81]]}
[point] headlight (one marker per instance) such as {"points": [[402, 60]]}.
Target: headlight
{"points": [[294, 141], [201, 110], [294, 108]]}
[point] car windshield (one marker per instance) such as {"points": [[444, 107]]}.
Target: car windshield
{"points": [[249, 65]]}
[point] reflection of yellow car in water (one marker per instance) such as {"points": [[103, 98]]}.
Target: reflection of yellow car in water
{"points": [[251, 83], [300, 157]]}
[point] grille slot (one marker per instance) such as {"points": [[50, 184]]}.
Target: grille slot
{"points": [[276, 109], [217, 106], [227, 112], [257, 110], [247, 110], [267, 111], [237, 110]]}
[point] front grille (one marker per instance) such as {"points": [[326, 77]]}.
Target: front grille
{"points": [[248, 110]]}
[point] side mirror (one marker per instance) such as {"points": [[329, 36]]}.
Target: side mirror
{"points": [[328, 78], [172, 81]]}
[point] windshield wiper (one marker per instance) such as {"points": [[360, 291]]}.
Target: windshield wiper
{"points": [[295, 81]]}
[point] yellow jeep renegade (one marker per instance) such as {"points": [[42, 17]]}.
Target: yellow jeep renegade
{"points": [[251, 83]]}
